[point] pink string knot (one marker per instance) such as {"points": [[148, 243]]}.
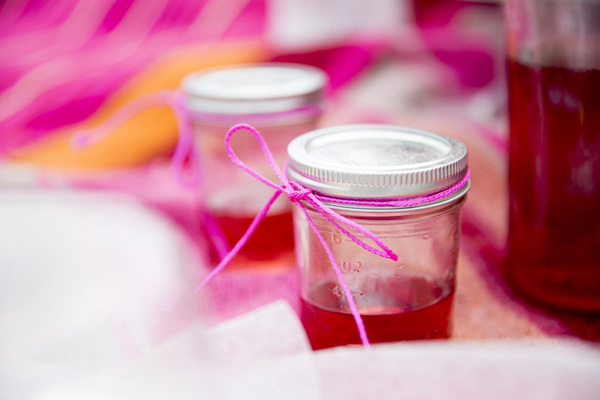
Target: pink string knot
{"points": [[297, 192]]}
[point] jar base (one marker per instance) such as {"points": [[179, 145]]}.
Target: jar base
{"points": [[329, 328]]}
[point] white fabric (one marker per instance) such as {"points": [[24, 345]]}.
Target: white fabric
{"points": [[95, 304]]}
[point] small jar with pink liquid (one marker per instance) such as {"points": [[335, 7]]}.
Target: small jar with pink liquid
{"points": [[407, 187]]}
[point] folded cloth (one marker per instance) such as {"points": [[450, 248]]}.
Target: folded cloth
{"points": [[87, 281], [265, 355]]}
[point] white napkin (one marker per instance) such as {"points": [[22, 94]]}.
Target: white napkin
{"points": [[87, 281], [563, 369], [261, 355]]}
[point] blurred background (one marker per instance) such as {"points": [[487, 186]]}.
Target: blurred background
{"points": [[71, 63], [105, 230]]}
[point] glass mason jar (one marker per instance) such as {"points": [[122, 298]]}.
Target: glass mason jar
{"points": [[281, 100], [407, 299], [553, 61]]}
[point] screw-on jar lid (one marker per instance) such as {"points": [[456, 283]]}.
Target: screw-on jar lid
{"points": [[375, 161], [254, 88]]}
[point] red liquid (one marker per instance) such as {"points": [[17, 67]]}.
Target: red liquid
{"points": [[554, 178], [396, 318], [273, 236]]}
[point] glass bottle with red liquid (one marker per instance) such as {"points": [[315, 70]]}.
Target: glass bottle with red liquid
{"points": [[407, 299], [554, 157], [282, 100]]}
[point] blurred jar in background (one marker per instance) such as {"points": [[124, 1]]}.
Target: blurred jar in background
{"points": [[281, 100], [554, 166]]}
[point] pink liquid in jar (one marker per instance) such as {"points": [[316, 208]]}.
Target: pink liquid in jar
{"points": [[410, 308]]}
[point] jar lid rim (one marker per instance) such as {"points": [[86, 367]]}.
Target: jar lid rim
{"points": [[376, 161], [254, 88]]}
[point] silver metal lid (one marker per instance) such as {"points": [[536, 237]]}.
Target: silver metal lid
{"points": [[254, 88], [375, 161]]}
